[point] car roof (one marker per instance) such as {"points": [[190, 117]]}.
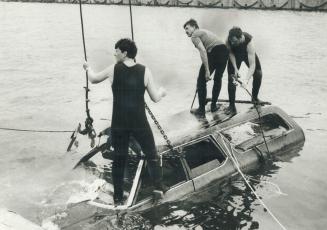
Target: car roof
{"points": [[183, 127]]}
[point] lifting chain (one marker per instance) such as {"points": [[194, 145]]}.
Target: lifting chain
{"points": [[173, 153]]}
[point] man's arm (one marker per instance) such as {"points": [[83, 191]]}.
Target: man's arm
{"points": [[204, 58], [155, 94], [233, 61], [95, 78], [251, 58], [232, 58]]}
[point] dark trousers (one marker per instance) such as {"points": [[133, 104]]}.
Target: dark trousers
{"points": [[257, 78], [120, 143], [217, 60]]}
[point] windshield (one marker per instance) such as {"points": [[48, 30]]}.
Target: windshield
{"points": [[248, 134]]}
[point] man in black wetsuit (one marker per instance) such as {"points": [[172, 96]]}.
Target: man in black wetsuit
{"points": [[241, 49], [214, 56], [129, 82]]}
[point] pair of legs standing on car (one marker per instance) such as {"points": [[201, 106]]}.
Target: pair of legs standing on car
{"points": [[257, 78], [120, 142], [217, 60]]}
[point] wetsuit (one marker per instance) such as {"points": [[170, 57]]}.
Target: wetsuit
{"points": [[241, 55], [217, 59], [129, 118]]}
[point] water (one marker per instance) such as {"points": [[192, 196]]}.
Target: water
{"points": [[42, 88]]}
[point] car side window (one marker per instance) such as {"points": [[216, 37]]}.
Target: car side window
{"points": [[172, 172], [203, 156]]}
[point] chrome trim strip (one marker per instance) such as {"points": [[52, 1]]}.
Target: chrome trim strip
{"points": [[135, 183]]}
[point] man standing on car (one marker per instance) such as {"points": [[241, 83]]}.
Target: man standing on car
{"points": [[214, 56], [241, 49], [130, 80]]}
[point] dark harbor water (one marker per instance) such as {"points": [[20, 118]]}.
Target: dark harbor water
{"points": [[42, 79]]}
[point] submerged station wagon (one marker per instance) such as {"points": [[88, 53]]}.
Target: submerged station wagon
{"points": [[203, 152]]}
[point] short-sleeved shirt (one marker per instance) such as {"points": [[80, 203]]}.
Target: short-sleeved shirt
{"points": [[208, 39]]}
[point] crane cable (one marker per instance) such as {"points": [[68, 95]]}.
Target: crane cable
{"points": [[89, 130]]}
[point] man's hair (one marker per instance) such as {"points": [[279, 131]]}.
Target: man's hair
{"points": [[192, 23], [128, 45], [235, 32]]}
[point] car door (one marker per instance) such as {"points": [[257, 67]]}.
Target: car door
{"points": [[204, 159], [174, 176]]}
